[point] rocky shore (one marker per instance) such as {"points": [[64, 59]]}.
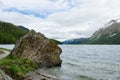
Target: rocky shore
{"points": [[37, 75], [32, 50]]}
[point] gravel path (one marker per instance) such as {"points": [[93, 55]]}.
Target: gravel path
{"points": [[4, 54]]}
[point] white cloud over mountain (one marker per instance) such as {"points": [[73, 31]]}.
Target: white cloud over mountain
{"points": [[60, 19]]}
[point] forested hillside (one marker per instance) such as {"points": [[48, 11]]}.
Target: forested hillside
{"points": [[10, 33]]}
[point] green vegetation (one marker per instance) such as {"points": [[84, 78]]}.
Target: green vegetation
{"points": [[16, 67], [108, 35], [105, 40], [10, 33], [56, 41]]}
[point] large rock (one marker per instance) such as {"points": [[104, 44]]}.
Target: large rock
{"points": [[3, 76], [37, 47]]}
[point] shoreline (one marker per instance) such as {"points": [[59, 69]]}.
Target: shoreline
{"points": [[31, 75]]}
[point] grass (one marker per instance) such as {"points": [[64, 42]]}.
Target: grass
{"points": [[16, 67]]}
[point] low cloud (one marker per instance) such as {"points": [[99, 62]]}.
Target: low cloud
{"points": [[61, 19]]}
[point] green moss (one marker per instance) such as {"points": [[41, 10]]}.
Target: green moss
{"points": [[16, 67], [55, 41], [52, 45]]}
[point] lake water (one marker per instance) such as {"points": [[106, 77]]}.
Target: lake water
{"points": [[10, 46], [87, 62]]}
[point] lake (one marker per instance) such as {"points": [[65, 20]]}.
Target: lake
{"points": [[86, 62]]}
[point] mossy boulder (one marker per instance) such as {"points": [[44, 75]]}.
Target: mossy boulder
{"points": [[36, 47]]}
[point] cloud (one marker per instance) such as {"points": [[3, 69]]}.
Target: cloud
{"points": [[60, 19], [27, 12]]}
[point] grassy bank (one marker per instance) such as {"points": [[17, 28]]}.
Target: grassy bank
{"points": [[16, 67]]}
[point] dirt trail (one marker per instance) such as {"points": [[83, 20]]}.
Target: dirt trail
{"points": [[4, 54]]}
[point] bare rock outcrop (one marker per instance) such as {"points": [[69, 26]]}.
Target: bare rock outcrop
{"points": [[3, 76], [37, 75], [36, 47]]}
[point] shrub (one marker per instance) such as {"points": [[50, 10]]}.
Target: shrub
{"points": [[16, 67]]}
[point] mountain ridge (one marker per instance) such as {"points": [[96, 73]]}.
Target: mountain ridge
{"points": [[75, 41], [110, 34], [10, 33]]}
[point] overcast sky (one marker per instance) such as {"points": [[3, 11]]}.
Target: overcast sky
{"points": [[60, 19]]}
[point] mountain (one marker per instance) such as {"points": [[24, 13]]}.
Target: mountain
{"points": [[10, 33], [108, 35], [75, 41]]}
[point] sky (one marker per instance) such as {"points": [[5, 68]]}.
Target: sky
{"points": [[60, 19]]}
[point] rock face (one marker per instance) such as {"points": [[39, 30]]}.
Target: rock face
{"points": [[3, 76], [111, 29], [110, 34], [36, 47], [37, 75]]}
